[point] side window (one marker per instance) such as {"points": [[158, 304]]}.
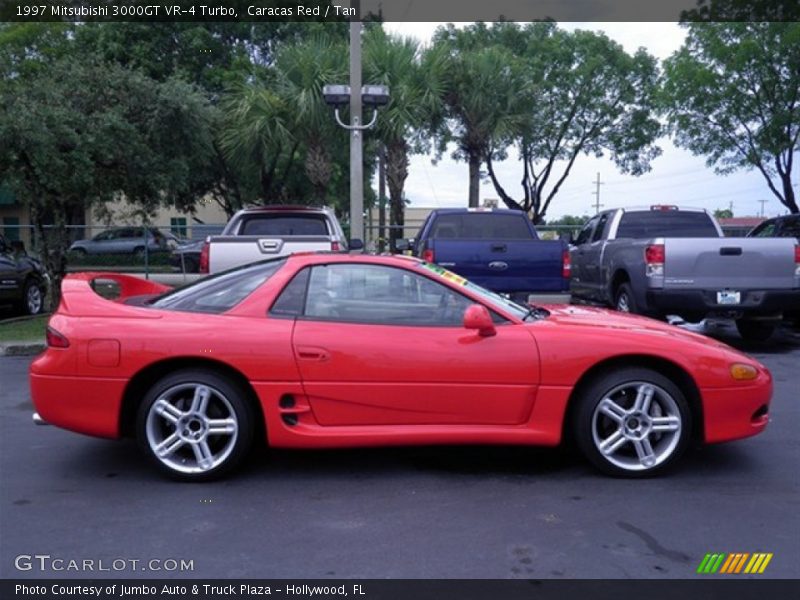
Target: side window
{"points": [[293, 297], [374, 294], [601, 225], [586, 233], [791, 228], [765, 230]]}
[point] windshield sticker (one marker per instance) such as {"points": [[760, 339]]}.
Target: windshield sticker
{"points": [[445, 274]]}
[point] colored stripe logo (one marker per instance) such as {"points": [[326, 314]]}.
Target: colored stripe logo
{"points": [[734, 563]]}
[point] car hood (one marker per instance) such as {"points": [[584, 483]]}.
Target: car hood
{"points": [[602, 318]]}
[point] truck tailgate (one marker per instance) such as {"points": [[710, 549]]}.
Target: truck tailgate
{"points": [[505, 266], [730, 263], [227, 251]]}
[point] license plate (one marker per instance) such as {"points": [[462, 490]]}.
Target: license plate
{"points": [[729, 297]]}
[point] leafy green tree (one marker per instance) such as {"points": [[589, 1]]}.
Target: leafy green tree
{"points": [[576, 93], [416, 87], [480, 87], [732, 94], [723, 213], [81, 133]]}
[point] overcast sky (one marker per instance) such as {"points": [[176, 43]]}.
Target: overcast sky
{"points": [[676, 177]]}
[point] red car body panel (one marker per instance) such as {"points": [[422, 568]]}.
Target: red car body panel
{"points": [[374, 385]]}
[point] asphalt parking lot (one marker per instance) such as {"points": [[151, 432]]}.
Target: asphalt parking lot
{"points": [[428, 512]]}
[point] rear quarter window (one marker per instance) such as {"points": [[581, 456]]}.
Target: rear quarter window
{"points": [[219, 293]]}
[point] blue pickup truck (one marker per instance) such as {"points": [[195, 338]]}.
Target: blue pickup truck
{"points": [[498, 249]]}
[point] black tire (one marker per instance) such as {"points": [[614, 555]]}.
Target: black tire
{"points": [[189, 425], [628, 454], [753, 330], [624, 300], [33, 296]]}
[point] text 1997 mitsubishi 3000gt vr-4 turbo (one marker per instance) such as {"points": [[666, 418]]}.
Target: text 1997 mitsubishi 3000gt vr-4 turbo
{"points": [[326, 350]]}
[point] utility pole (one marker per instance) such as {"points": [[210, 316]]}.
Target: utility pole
{"points": [[596, 194], [382, 199], [762, 202], [356, 139]]}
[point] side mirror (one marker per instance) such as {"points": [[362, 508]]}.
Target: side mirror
{"points": [[477, 317], [356, 244], [402, 245]]}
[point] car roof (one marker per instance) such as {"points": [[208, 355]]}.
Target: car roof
{"points": [[456, 211], [322, 257], [284, 208]]}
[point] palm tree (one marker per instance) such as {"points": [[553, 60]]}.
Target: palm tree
{"points": [[416, 88], [482, 95], [271, 118]]}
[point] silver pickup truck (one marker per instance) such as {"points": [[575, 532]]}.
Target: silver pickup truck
{"points": [[662, 260], [255, 234]]}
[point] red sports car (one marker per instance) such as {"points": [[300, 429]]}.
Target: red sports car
{"points": [[327, 350]]}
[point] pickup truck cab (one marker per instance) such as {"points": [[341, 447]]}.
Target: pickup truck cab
{"points": [[253, 234], [663, 260], [498, 249]]}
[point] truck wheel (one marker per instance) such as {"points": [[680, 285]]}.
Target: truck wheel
{"points": [[632, 422], [624, 301], [752, 330]]}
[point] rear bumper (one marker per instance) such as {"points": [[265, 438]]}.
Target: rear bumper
{"points": [[764, 302], [85, 405]]}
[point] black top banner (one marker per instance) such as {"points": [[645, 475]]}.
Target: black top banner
{"points": [[398, 10]]}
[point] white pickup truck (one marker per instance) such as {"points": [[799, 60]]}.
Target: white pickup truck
{"points": [[255, 234]]}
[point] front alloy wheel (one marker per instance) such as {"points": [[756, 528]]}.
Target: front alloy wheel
{"points": [[633, 423], [195, 426]]}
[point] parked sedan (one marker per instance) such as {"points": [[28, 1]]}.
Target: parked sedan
{"points": [[323, 350], [23, 279], [123, 240]]}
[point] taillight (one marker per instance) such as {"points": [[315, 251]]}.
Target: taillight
{"points": [[204, 258], [654, 256], [566, 265], [56, 339], [797, 261], [335, 246], [427, 255]]}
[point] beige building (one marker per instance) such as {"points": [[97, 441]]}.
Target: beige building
{"points": [[15, 221]]}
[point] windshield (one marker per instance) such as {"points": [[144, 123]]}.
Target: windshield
{"points": [[219, 293], [495, 300]]}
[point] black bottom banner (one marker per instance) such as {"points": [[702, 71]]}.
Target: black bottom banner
{"points": [[416, 589]]}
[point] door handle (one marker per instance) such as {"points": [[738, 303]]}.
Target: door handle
{"points": [[313, 354], [499, 247]]}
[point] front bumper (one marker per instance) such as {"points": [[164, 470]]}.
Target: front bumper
{"points": [[761, 302]]}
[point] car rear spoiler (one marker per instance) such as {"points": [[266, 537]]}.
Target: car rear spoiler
{"points": [[79, 294]]}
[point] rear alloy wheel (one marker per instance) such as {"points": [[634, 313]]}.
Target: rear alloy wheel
{"points": [[632, 423], [195, 425], [623, 300], [753, 330], [32, 298]]}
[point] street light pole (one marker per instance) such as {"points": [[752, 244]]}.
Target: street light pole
{"points": [[356, 139]]}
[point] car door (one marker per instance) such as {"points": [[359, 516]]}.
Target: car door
{"points": [[381, 345], [592, 260], [578, 259]]}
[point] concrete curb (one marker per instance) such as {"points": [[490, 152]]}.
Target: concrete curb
{"points": [[22, 348]]}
